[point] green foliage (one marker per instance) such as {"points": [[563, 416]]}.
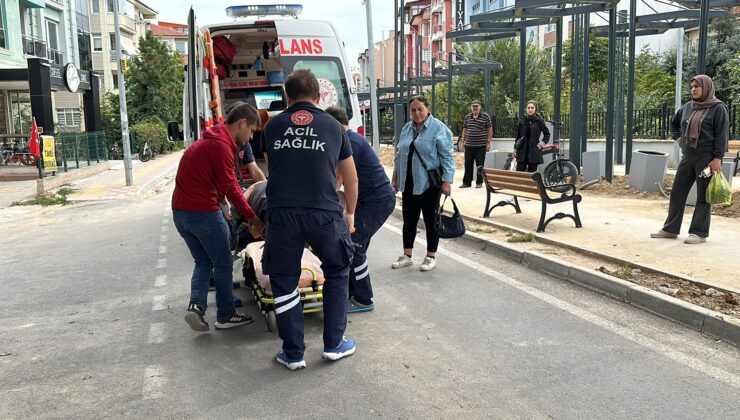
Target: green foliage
{"points": [[529, 237], [654, 86], [111, 115], [58, 198], [154, 131], [598, 61], [722, 49], [154, 82]]}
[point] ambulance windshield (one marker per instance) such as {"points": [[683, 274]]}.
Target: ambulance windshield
{"points": [[332, 83]]}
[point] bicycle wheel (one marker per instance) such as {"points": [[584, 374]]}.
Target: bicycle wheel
{"points": [[145, 155], [560, 172]]}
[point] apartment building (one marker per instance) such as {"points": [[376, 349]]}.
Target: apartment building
{"points": [[132, 17], [175, 35], [56, 32]]}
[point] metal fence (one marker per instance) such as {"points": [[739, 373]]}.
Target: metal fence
{"points": [[76, 150]]}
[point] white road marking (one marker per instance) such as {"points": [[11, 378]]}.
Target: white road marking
{"points": [[163, 249], [159, 303], [164, 221], [160, 281], [162, 238], [156, 333], [165, 229], [154, 380], [162, 263], [624, 332]]}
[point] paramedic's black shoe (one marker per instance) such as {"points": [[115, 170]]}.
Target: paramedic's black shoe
{"points": [[236, 319], [345, 348], [353, 306], [195, 317], [288, 363]]}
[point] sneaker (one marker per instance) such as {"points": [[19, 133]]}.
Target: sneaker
{"points": [[345, 348], [195, 317], [236, 319], [694, 239], [428, 264], [664, 234], [478, 185], [354, 306], [288, 363], [402, 261], [464, 185]]}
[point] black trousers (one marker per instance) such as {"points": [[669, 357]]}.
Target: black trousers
{"points": [[526, 167], [475, 154], [686, 174], [427, 204]]}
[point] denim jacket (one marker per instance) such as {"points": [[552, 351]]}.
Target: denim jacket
{"points": [[434, 145]]}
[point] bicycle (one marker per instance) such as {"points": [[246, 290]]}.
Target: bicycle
{"points": [[13, 154]]}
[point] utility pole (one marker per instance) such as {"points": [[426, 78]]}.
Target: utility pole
{"points": [[373, 80], [127, 166], [679, 91]]}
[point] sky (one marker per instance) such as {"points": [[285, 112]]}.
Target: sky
{"points": [[347, 16]]}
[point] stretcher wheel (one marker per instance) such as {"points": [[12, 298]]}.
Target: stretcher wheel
{"points": [[271, 321]]}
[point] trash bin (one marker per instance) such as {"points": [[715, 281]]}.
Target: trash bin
{"points": [[594, 165], [648, 169], [727, 168], [496, 159]]}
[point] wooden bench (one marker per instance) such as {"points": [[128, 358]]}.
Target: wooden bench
{"points": [[733, 153], [529, 185]]}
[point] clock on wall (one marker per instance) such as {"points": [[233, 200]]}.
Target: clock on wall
{"points": [[71, 77]]}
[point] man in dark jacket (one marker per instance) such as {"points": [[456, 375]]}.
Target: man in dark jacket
{"points": [[204, 177]]}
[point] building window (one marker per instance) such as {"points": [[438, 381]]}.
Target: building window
{"points": [[181, 47], [97, 42], [2, 27], [68, 117], [426, 56], [124, 7], [52, 38], [95, 6], [425, 29], [113, 46], [83, 42], [551, 27]]}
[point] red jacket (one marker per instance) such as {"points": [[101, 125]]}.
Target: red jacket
{"points": [[206, 173]]}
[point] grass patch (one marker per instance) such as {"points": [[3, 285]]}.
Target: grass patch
{"points": [[44, 200], [529, 237]]}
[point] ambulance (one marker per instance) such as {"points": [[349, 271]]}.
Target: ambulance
{"points": [[248, 60]]}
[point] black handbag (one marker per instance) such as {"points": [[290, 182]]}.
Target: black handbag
{"points": [[434, 174], [449, 227]]}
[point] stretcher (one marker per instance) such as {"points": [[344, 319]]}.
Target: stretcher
{"points": [[310, 284]]}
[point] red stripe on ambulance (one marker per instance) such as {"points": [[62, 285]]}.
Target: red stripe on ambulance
{"points": [[301, 46]]}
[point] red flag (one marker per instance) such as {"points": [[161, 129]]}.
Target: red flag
{"points": [[34, 143]]}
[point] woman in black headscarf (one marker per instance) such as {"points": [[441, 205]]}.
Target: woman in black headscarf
{"points": [[527, 146], [703, 128]]}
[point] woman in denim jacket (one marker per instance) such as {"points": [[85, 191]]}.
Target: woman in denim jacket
{"points": [[425, 143]]}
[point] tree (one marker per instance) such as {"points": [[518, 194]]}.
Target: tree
{"points": [[654, 85], [722, 48], [154, 82]]}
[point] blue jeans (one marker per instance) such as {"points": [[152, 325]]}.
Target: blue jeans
{"points": [[369, 217], [288, 230], [207, 236]]}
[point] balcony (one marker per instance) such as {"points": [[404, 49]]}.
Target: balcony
{"points": [[33, 46], [54, 56], [114, 55], [126, 23], [438, 32]]}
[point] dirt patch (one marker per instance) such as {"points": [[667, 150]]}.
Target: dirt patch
{"points": [[387, 157], [723, 302], [620, 188]]}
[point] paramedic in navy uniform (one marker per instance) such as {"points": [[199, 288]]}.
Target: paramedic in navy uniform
{"points": [[306, 149], [375, 202]]}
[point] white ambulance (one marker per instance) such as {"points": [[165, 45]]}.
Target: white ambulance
{"points": [[253, 55]]}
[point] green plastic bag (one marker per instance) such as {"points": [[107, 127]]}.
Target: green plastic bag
{"points": [[719, 190]]}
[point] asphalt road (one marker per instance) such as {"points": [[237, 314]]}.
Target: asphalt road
{"points": [[91, 327]]}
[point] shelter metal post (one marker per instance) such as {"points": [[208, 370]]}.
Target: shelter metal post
{"points": [[449, 89], [522, 69], [631, 86], [610, 96], [701, 67]]}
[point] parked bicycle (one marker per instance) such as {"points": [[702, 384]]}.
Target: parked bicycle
{"points": [[15, 153], [146, 153]]}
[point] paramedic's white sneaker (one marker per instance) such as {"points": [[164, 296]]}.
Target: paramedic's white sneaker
{"points": [[345, 348], [288, 363], [694, 239], [402, 261], [428, 264]]}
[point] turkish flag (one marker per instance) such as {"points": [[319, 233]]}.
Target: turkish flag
{"points": [[34, 143]]}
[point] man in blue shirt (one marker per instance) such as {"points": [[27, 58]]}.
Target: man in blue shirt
{"points": [[375, 202], [305, 149]]}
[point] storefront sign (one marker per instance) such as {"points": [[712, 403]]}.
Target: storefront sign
{"points": [[459, 15], [50, 159], [62, 76]]}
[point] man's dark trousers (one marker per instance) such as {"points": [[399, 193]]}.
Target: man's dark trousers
{"points": [[369, 217], [288, 230], [687, 172], [477, 154]]}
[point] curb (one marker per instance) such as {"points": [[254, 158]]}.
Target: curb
{"points": [[149, 185], [693, 316], [52, 182]]}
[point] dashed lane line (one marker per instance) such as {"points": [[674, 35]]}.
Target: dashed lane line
{"points": [[156, 333], [160, 281], [159, 303], [154, 380]]}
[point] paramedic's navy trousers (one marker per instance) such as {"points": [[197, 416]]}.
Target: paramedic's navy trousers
{"points": [[207, 236], [369, 217], [288, 230]]}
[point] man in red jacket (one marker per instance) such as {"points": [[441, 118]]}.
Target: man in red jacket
{"points": [[205, 176]]}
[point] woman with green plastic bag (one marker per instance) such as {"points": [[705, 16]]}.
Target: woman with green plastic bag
{"points": [[703, 128]]}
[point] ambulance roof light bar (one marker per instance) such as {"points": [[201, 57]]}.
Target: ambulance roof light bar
{"points": [[292, 10]]}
